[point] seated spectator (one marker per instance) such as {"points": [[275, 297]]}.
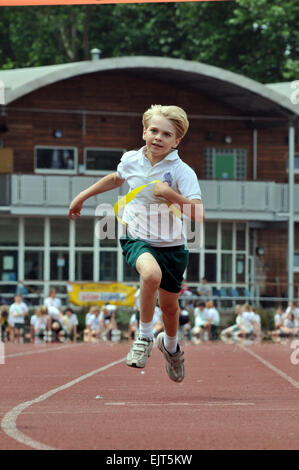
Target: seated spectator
{"points": [[38, 324], [158, 324], [108, 322], [292, 307], [234, 330], [200, 321], [4, 326], [184, 324], [17, 313], [204, 290], [278, 318], [214, 319], [133, 326], [257, 324], [185, 290], [93, 329], [289, 327], [52, 300], [56, 331], [246, 322], [93, 311], [70, 321]]}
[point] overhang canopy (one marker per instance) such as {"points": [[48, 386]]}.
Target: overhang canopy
{"points": [[251, 98]]}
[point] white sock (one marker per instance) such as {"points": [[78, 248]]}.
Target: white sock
{"points": [[170, 343], [146, 330]]}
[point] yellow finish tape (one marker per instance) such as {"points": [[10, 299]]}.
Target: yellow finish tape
{"points": [[132, 194]]}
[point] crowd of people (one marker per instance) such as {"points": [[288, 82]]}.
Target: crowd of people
{"points": [[286, 322], [247, 324], [199, 321], [49, 322], [100, 324]]}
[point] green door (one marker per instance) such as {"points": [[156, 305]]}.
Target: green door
{"points": [[225, 166]]}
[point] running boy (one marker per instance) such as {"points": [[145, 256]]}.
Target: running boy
{"points": [[155, 242]]}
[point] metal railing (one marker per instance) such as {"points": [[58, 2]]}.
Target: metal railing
{"points": [[35, 192]]}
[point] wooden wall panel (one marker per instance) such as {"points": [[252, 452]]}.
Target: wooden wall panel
{"points": [[132, 92]]}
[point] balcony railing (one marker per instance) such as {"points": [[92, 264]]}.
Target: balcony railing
{"points": [[51, 194]]}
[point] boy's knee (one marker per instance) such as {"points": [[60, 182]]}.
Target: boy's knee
{"points": [[170, 310], [152, 278]]}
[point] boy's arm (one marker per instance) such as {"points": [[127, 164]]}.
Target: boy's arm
{"points": [[106, 183], [192, 208]]}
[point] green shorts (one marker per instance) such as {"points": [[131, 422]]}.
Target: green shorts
{"points": [[172, 260]]}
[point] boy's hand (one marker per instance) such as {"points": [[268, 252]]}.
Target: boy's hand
{"points": [[75, 208], [159, 189]]}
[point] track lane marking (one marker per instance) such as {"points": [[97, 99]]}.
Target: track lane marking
{"points": [[178, 404], [273, 368], [35, 351], [9, 426]]}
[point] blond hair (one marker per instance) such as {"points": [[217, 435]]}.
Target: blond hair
{"points": [[174, 114], [94, 309]]}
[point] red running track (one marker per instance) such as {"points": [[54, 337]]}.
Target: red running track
{"points": [[83, 396]]}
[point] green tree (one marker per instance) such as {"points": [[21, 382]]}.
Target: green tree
{"points": [[256, 38]]}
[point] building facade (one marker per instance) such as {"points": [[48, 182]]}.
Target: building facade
{"points": [[65, 126]]}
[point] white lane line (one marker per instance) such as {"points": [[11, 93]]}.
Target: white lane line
{"points": [[39, 351], [119, 403], [273, 368], [9, 426]]}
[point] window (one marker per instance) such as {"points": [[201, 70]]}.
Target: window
{"points": [[224, 257], [59, 266], [8, 265], [193, 267], [108, 265], [241, 237], [84, 266], [101, 160], [223, 163], [34, 265], [211, 267], [9, 231], [240, 268], [226, 236], [34, 232], [59, 234], [211, 235], [61, 160], [296, 261], [84, 232]]}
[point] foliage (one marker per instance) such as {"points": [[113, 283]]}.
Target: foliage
{"points": [[256, 38]]}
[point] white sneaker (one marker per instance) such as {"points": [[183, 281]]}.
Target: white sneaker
{"points": [[141, 349], [175, 366]]}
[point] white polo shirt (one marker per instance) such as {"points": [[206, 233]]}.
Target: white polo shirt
{"points": [[17, 313], [149, 217]]}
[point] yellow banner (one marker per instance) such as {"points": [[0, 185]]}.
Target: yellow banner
{"points": [[99, 293]]}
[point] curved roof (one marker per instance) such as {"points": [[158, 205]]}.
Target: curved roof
{"points": [[251, 98]]}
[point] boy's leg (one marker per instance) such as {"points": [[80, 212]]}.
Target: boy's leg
{"points": [[167, 341], [150, 278], [169, 305]]}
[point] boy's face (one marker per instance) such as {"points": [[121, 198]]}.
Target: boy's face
{"points": [[160, 136]]}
